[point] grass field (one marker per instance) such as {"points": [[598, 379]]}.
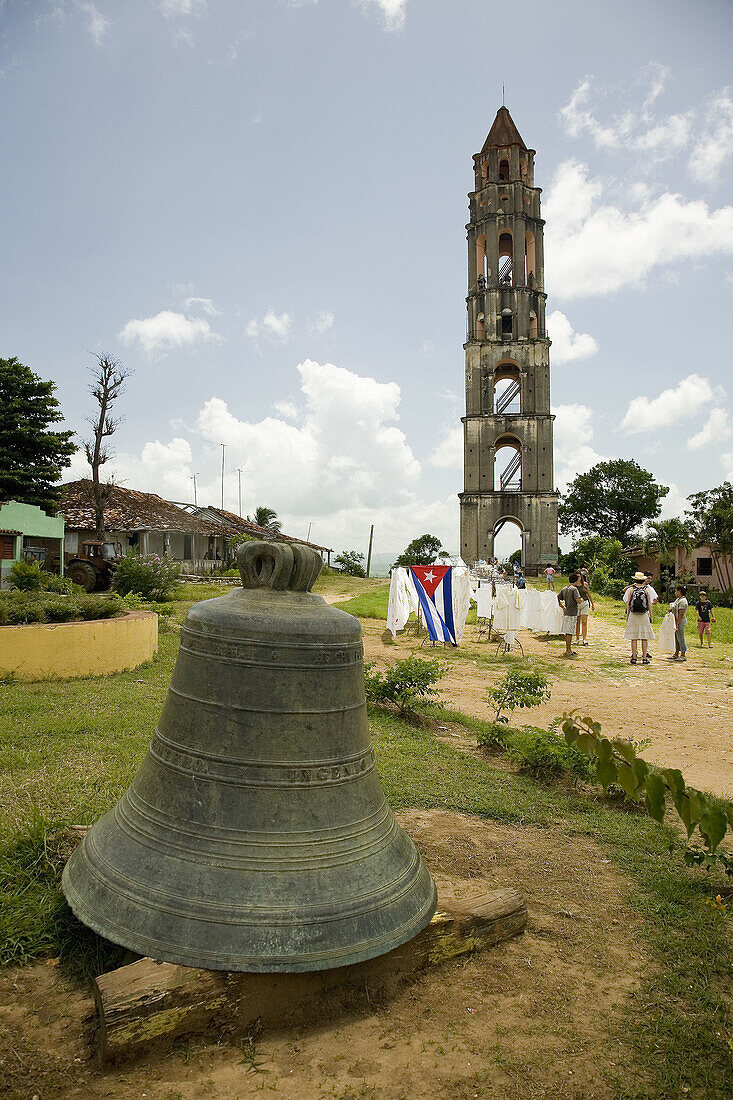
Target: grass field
{"points": [[69, 749]]}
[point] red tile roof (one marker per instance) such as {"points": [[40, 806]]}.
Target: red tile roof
{"points": [[503, 132], [130, 510]]}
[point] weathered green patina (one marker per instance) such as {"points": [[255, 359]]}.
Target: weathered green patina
{"points": [[256, 835]]}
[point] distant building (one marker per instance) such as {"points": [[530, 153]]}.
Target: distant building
{"points": [[199, 538], [697, 562], [28, 534]]}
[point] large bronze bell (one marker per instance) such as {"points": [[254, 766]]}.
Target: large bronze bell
{"points": [[256, 835]]}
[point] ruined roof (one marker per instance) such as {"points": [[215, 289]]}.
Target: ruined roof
{"points": [[131, 510], [503, 132], [242, 525]]}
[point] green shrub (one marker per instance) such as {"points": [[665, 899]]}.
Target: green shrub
{"points": [[25, 576], [59, 610], [546, 755], [495, 733], [23, 607], [50, 582], [152, 577], [406, 684], [518, 690], [93, 607]]}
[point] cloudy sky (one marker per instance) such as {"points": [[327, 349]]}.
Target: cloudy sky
{"points": [[259, 208]]}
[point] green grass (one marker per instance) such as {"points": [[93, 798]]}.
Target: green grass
{"points": [[337, 584], [69, 749]]}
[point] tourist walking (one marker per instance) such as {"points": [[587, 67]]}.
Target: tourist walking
{"points": [[705, 616], [679, 610], [569, 599], [584, 607], [550, 574], [638, 622]]}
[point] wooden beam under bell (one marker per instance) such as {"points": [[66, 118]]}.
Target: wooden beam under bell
{"points": [[148, 1002]]}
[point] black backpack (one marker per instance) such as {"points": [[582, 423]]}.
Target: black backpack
{"points": [[638, 602]]}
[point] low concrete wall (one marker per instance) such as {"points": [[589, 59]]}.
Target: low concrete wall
{"points": [[66, 650]]}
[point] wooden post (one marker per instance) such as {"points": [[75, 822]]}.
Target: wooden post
{"points": [[150, 1001]]}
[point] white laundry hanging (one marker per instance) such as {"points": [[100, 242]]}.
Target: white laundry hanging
{"points": [[666, 641], [402, 600]]}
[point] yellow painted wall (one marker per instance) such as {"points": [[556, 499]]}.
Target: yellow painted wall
{"points": [[65, 650]]}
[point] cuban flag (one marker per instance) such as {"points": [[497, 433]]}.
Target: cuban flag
{"points": [[434, 587]]}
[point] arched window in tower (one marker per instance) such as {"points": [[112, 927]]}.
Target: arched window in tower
{"points": [[506, 251], [507, 390], [481, 268], [507, 319], [530, 258], [504, 171], [523, 170], [506, 538], [532, 325], [480, 327], [507, 464]]}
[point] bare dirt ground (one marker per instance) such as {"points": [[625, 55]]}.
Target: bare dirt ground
{"points": [[529, 1019], [684, 710]]}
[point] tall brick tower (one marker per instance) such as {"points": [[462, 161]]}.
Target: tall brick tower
{"points": [[508, 467]]}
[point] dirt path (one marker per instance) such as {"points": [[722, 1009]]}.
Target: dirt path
{"points": [[685, 710]]}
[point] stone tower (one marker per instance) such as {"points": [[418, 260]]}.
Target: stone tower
{"points": [[507, 358]]}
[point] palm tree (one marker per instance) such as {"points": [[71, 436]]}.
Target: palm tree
{"points": [[663, 536], [266, 517]]}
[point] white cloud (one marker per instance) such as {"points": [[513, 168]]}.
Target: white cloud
{"points": [[596, 248], [658, 138], [715, 143], [714, 430], [686, 399], [335, 457], [166, 331], [393, 12], [674, 504], [176, 9], [206, 305], [726, 461], [573, 435], [567, 344], [321, 323], [97, 24], [276, 326], [449, 452]]}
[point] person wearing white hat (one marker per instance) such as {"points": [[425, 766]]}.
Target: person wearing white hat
{"points": [[638, 622]]}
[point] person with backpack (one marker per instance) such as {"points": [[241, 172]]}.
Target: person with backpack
{"points": [[638, 620], [569, 599]]}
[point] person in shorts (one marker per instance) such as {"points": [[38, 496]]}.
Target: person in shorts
{"points": [[550, 574], [569, 599], [705, 616], [584, 607], [679, 610], [638, 620]]}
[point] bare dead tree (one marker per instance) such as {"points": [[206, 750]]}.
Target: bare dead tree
{"points": [[108, 383]]}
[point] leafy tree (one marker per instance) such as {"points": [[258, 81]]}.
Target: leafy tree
{"points": [[108, 383], [608, 570], [32, 457], [351, 563], [421, 551], [266, 517], [613, 498], [711, 522]]}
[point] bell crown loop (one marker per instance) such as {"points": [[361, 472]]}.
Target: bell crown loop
{"points": [[278, 565]]}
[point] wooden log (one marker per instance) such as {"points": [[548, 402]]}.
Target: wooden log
{"points": [[147, 1001]]}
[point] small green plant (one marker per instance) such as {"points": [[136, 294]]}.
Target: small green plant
{"points": [[545, 755], [406, 684], [517, 690], [617, 762], [149, 576]]}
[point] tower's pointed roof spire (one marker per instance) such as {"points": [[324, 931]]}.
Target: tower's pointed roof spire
{"points": [[503, 132]]}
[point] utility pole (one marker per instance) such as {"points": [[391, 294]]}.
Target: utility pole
{"points": [[239, 472], [195, 498], [223, 448], [308, 536], [369, 555]]}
